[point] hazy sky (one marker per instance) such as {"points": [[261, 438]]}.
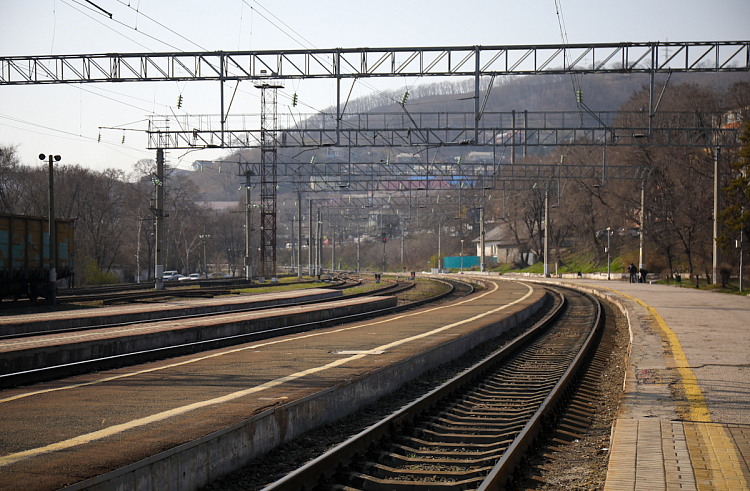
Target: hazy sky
{"points": [[65, 119]]}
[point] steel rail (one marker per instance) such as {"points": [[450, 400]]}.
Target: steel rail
{"points": [[327, 464]]}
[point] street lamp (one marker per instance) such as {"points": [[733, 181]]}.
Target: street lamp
{"points": [[205, 264], [609, 232], [52, 230], [462, 256]]}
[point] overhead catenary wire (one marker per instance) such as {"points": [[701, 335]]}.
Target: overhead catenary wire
{"points": [[564, 37]]}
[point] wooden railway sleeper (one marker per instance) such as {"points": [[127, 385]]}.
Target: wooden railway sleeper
{"points": [[475, 430], [476, 447], [384, 472], [450, 437], [395, 460], [431, 455], [486, 419], [471, 423], [367, 483]]}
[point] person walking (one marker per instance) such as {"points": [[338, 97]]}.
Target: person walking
{"points": [[633, 272]]}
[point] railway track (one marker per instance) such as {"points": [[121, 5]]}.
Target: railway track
{"points": [[388, 290], [130, 358], [470, 432], [114, 294]]}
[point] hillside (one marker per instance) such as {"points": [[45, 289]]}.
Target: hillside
{"points": [[601, 92]]}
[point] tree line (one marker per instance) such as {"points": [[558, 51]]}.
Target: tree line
{"points": [[114, 220]]}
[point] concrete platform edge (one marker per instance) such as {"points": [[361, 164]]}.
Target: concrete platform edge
{"points": [[194, 464]]}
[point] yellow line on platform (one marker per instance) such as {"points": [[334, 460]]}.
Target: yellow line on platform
{"points": [[698, 410]]}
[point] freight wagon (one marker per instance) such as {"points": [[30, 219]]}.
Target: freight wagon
{"points": [[24, 255]]}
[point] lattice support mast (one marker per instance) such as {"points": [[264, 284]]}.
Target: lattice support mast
{"points": [[268, 178]]}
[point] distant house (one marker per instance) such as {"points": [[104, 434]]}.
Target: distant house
{"points": [[199, 164], [501, 245]]}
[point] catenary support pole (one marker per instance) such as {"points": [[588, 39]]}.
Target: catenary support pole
{"points": [[717, 211], [299, 235], [481, 239], [546, 233], [311, 239], [641, 258], [248, 230], [52, 232], [159, 240]]}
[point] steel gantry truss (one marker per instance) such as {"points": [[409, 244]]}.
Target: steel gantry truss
{"points": [[420, 132], [625, 57], [454, 129]]}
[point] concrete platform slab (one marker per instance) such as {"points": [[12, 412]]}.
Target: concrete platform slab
{"points": [[84, 317]]}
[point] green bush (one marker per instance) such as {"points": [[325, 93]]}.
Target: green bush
{"points": [[92, 275]]}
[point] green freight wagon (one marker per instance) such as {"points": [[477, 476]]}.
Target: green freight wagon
{"points": [[24, 255]]}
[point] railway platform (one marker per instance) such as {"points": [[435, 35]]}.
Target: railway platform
{"points": [[181, 422], [684, 423], [67, 319]]}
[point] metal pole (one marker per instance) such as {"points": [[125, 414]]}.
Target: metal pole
{"points": [[319, 261], [513, 137], [608, 270], [439, 258], [741, 231], [52, 232], [311, 240], [641, 258], [248, 229], [299, 235], [546, 234], [359, 269], [333, 246], [654, 53], [402, 244], [462, 256], [481, 238], [381, 228], [717, 210], [159, 266]]}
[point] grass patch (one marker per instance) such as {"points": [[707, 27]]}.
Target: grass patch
{"points": [[284, 288]]}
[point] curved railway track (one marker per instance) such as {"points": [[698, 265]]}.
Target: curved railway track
{"points": [[470, 432]]}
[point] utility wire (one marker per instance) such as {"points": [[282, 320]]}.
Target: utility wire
{"points": [[162, 25], [127, 26]]}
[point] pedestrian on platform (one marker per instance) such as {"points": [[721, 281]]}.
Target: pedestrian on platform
{"points": [[632, 270], [643, 273]]}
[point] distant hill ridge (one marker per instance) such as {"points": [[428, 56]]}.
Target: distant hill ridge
{"points": [[601, 92]]}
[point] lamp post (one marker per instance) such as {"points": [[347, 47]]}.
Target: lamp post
{"points": [[205, 264], [462, 256], [52, 230], [609, 232]]}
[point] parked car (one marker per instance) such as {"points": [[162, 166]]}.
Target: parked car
{"points": [[219, 275], [170, 275], [193, 276]]}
